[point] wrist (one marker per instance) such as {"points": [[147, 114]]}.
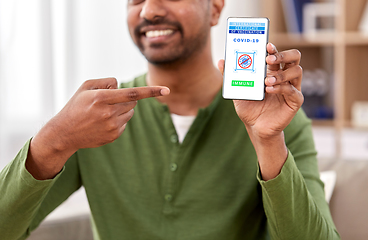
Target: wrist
{"points": [[40, 168], [260, 138], [269, 144], [264, 137], [55, 138], [47, 155], [271, 153]]}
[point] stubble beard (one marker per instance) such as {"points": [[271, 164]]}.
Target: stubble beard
{"points": [[181, 52]]}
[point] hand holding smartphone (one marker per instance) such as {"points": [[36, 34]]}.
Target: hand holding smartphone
{"points": [[245, 58]]}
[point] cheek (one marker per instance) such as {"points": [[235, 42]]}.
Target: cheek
{"points": [[183, 11], [189, 12], [192, 18], [132, 19]]}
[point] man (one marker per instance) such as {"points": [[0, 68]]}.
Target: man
{"points": [[243, 172]]}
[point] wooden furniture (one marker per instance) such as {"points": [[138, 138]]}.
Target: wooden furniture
{"points": [[343, 54]]}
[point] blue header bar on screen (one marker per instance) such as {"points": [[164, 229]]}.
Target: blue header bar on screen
{"points": [[247, 28]]}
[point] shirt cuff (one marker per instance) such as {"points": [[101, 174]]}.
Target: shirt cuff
{"points": [[284, 176]]}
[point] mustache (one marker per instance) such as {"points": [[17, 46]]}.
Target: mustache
{"points": [[159, 21]]}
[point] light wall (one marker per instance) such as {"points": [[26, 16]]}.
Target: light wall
{"points": [[48, 48]]}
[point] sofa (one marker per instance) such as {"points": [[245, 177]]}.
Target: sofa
{"points": [[349, 201]]}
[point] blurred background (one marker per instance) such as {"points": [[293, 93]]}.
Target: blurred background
{"points": [[48, 48]]}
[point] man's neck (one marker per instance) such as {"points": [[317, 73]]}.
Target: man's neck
{"points": [[193, 83]]}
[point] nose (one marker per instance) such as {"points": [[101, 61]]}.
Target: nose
{"points": [[152, 10]]}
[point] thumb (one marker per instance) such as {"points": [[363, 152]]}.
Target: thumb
{"points": [[221, 66], [103, 83]]}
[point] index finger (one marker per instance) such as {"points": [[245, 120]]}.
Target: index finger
{"points": [[288, 57], [113, 96]]}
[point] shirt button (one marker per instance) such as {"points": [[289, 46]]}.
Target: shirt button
{"points": [[174, 138], [173, 167], [168, 197]]}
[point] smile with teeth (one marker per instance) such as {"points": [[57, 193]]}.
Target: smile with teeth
{"points": [[158, 33]]}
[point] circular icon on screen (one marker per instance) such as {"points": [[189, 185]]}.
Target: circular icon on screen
{"points": [[245, 61]]}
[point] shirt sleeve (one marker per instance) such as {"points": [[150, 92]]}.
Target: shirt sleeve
{"points": [[294, 201], [25, 201]]}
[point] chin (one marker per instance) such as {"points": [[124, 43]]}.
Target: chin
{"points": [[166, 61], [163, 60], [169, 58]]}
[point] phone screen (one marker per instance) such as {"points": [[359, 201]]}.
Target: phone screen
{"points": [[245, 58]]}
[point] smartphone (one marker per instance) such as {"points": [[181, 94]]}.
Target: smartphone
{"points": [[245, 58]]}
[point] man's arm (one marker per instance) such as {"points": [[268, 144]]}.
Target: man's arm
{"points": [[265, 122], [294, 201], [26, 201], [96, 115]]}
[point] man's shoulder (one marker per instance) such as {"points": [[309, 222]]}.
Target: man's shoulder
{"points": [[139, 81]]}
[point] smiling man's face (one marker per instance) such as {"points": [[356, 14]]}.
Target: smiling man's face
{"points": [[166, 31]]}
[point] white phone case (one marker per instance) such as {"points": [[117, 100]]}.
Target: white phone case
{"points": [[245, 58]]}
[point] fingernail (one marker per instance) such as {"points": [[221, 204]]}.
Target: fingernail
{"points": [[165, 91], [271, 80], [272, 58], [273, 47], [269, 88]]}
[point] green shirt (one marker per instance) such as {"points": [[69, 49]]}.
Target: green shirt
{"points": [[147, 185]]}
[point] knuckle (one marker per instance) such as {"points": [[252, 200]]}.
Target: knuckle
{"points": [[107, 114], [133, 95], [112, 126], [115, 135], [154, 92], [112, 83], [130, 105], [299, 72], [123, 128], [301, 99], [128, 115], [280, 56], [131, 113], [88, 83], [298, 53], [299, 69], [111, 138], [98, 97], [280, 76], [134, 103], [292, 89]]}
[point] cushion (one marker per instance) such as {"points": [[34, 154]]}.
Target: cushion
{"points": [[349, 200]]}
